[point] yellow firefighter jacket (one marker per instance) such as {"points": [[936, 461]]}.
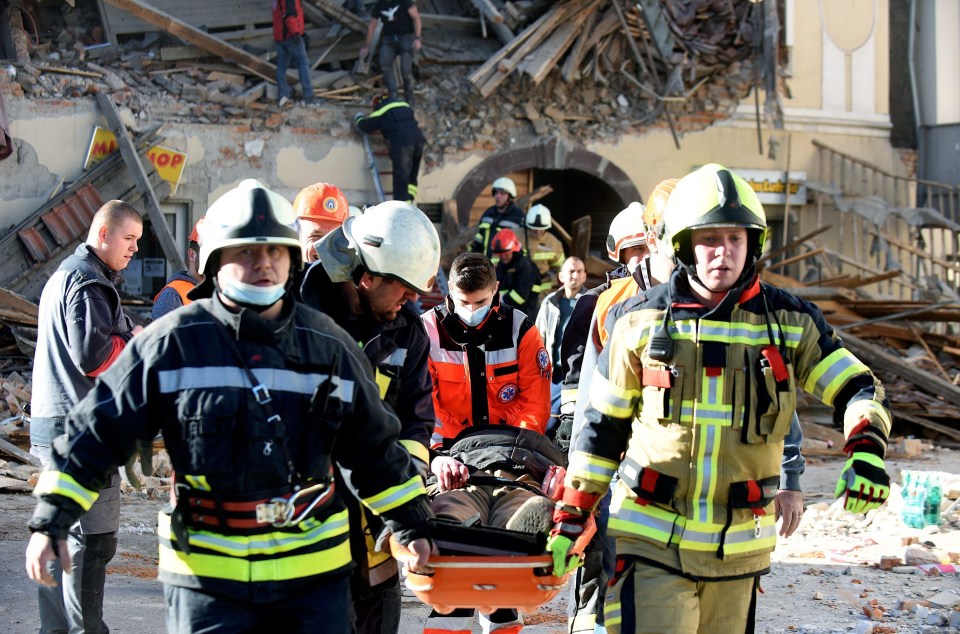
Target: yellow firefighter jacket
{"points": [[701, 434]]}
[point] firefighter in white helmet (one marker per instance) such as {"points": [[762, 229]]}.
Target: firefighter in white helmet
{"points": [[544, 248], [369, 275], [693, 510], [259, 400], [502, 214]]}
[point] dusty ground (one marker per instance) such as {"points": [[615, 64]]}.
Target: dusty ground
{"points": [[823, 577]]}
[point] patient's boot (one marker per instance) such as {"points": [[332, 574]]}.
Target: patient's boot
{"points": [[534, 516]]}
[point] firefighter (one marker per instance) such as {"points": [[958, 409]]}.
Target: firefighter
{"points": [[174, 294], [320, 209], [627, 246], [691, 401], [381, 262], [517, 274], [396, 121], [491, 391], [653, 269], [257, 398], [502, 214], [543, 247]]}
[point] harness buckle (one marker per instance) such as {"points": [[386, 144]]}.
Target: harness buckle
{"points": [[262, 394], [277, 512]]}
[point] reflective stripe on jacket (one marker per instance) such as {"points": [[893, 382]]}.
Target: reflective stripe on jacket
{"points": [[703, 433], [496, 373], [183, 377]]}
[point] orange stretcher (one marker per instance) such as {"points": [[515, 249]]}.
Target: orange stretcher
{"points": [[487, 582]]}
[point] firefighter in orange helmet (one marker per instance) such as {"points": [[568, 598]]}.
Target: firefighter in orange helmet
{"points": [[320, 209]]}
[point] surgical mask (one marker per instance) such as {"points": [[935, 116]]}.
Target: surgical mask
{"points": [[471, 317], [244, 293]]}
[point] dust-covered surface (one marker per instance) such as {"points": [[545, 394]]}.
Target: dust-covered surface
{"points": [[826, 578]]}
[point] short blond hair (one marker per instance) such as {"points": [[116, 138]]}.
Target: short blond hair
{"points": [[112, 214]]}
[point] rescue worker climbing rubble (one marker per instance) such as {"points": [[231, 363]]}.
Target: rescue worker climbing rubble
{"points": [[690, 403], [370, 272], [258, 399]]}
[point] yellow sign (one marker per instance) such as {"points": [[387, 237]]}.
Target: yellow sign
{"points": [[169, 163]]}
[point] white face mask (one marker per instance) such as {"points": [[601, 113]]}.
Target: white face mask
{"points": [[471, 317], [244, 293]]}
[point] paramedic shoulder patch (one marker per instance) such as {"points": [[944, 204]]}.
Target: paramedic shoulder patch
{"points": [[543, 359], [507, 393]]}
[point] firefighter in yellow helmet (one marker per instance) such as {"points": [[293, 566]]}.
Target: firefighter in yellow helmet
{"points": [[691, 402]]}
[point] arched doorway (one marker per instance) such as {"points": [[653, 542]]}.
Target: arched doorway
{"points": [[583, 183]]}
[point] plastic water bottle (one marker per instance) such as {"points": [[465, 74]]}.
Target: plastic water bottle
{"points": [[912, 500], [931, 502]]}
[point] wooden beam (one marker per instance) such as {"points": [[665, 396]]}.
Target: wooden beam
{"points": [[857, 282], [341, 15], [193, 35], [933, 357], [139, 173], [12, 450], [797, 258], [792, 245], [929, 424], [924, 381], [494, 19]]}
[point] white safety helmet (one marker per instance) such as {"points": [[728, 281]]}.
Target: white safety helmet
{"points": [[396, 240], [626, 230], [354, 211], [506, 185], [248, 214], [538, 217]]}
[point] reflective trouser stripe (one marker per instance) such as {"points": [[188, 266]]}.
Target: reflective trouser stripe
{"points": [[582, 624], [449, 623]]}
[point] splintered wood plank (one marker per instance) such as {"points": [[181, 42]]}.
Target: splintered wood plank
{"points": [[540, 63], [193, 35]]}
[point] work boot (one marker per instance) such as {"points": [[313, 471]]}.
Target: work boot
{"points": [[534, 516]]}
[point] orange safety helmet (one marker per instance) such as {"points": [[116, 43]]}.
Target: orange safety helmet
{"points": [[322, 203], [195, 235], [505, 241]]}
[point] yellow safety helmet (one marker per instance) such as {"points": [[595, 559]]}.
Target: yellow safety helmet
{"points": [[711, 196], [656, 203]]}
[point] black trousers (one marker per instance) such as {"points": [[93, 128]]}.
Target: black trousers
{"points": [[406, 167]]}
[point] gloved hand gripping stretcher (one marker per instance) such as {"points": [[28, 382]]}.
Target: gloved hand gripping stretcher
{"points": [[489, 568]]}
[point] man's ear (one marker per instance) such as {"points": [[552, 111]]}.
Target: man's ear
{"points": [[366, 281], [102, 233]]}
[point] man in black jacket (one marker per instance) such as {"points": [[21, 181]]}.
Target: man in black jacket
{"points": [[519, 277], [370, 272], [259, 399], [396, 121], [82, 330]]}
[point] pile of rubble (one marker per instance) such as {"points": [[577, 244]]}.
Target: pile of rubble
{"points": [[584, 68]]}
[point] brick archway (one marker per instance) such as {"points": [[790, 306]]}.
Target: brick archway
{"points": [[554, 153]]}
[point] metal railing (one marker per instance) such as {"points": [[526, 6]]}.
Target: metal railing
{"points": [[865, 246]]}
